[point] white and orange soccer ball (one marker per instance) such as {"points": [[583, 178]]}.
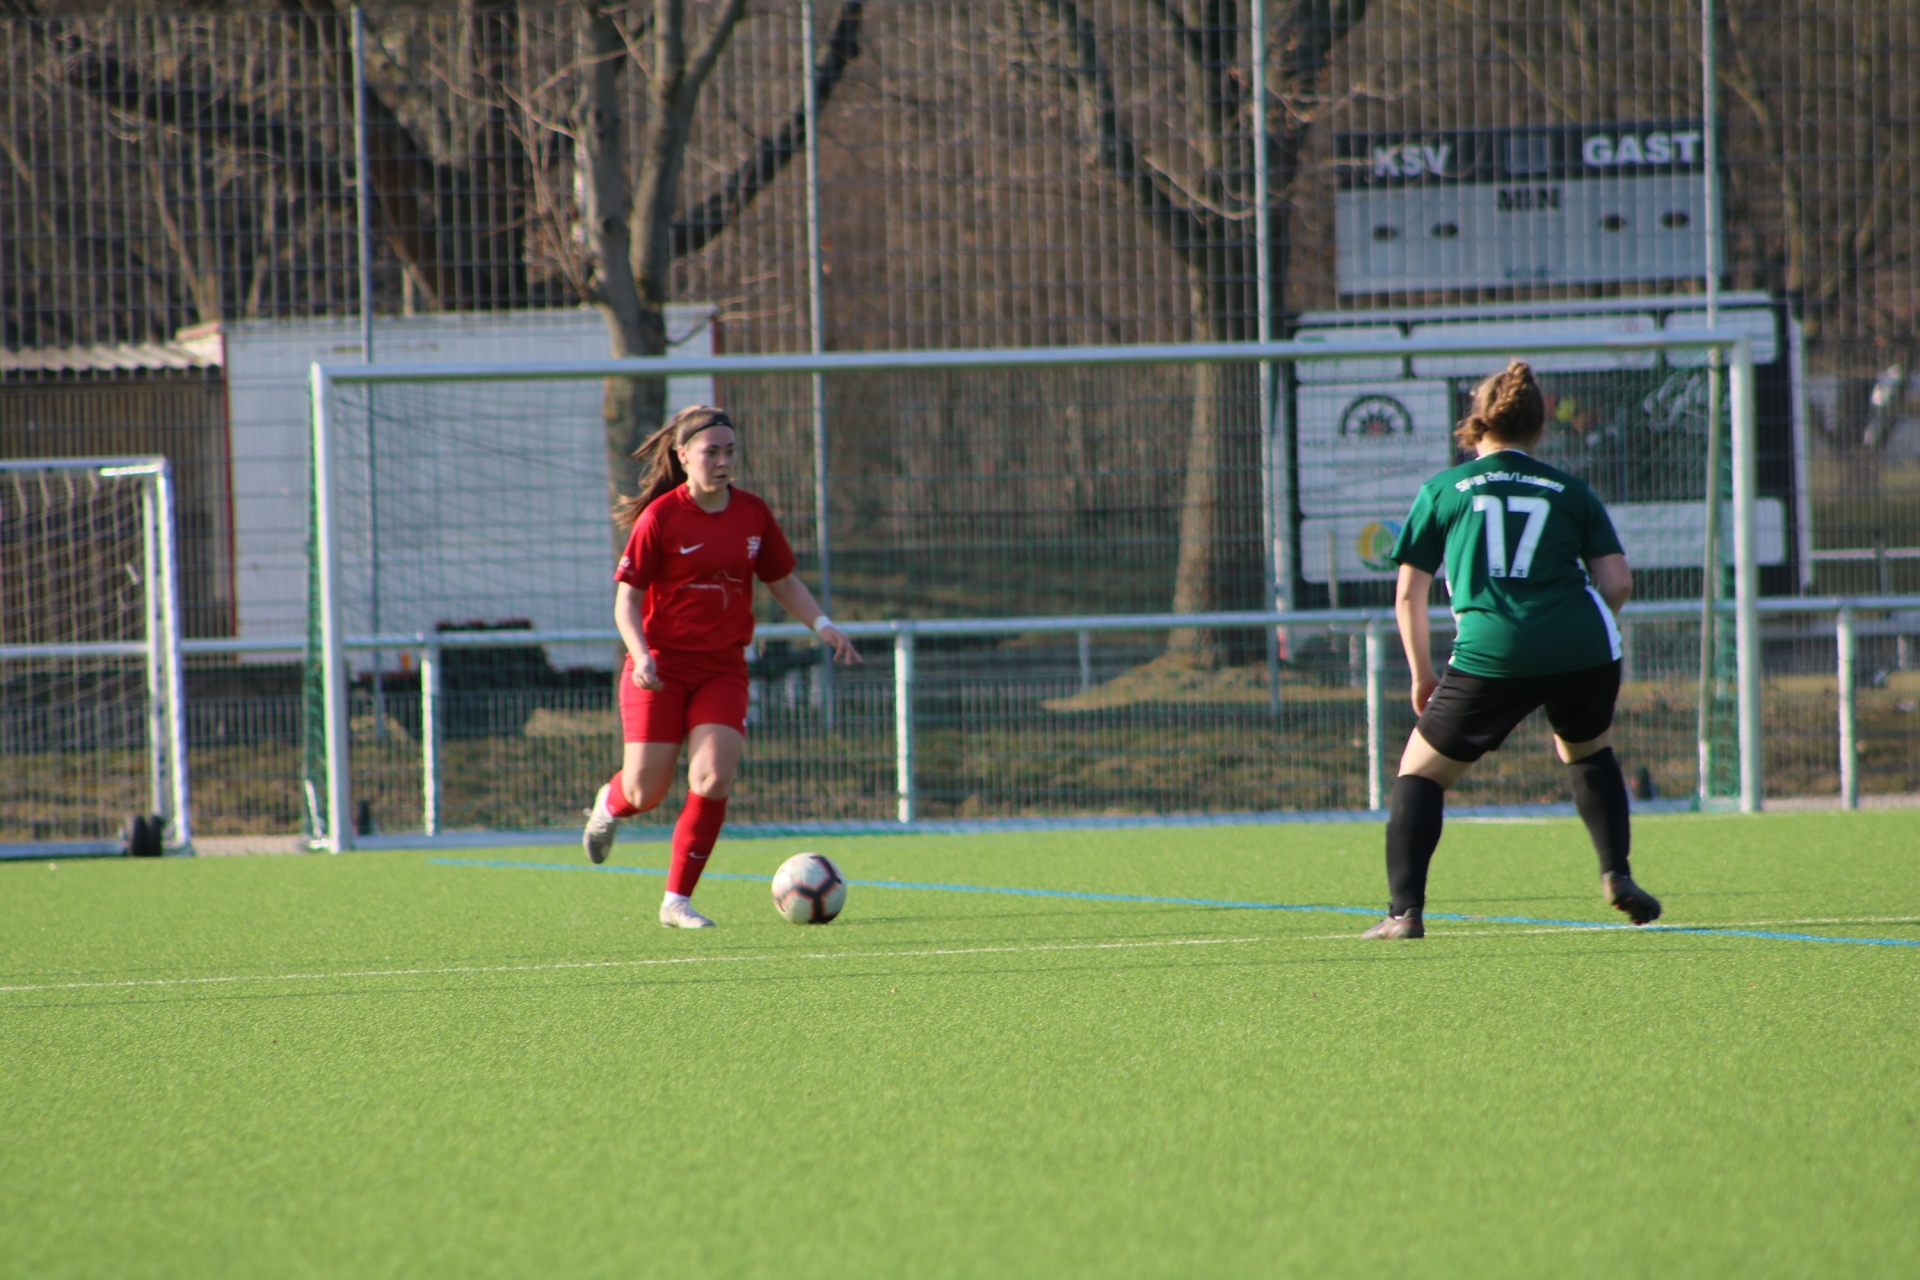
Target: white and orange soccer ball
{"points": [[809, 889]]}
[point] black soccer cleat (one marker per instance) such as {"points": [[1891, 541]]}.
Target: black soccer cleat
{"points": [[1405, 925], [1624, 895]]}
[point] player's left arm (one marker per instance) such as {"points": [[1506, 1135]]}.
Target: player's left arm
{"points": [[799, 603], [1612, 579], [1606, 560]]}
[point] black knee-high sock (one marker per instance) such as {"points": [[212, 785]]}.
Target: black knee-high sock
{"points": [[1414, 817], [1600, 794]]}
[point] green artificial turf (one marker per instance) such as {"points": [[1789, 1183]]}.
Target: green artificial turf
{"points": [[380, 1065]]}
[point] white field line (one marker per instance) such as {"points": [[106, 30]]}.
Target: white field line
{"points": [[378, 973], [1064, 946], [611, 964]]}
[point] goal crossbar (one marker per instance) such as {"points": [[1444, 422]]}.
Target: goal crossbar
{"points": [[1725, 341]]}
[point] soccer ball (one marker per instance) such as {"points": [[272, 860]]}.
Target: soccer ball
{"points": [[809, 889]]}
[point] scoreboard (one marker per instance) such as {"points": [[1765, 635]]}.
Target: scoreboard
{"points": [[1501, 208]]}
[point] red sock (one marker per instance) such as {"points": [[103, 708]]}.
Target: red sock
{"points": [[617, 800], [693, 839]]}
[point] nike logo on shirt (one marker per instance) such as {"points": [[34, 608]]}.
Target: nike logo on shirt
{"points": [[687, 551]]}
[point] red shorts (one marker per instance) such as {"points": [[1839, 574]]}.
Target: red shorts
{"points": [[700, 687]]}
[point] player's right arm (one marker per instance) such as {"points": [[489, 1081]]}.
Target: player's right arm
{"points": [[1416, 636], [1420, 551], [639, 566], [629, 606]]}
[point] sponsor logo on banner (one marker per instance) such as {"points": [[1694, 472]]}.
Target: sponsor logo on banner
{"points": [[1375, 545], [1377, 417]]}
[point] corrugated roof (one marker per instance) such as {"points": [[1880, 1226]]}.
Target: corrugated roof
{"points": [[199, 351]]}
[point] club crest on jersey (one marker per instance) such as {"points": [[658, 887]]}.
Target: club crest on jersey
{"points": [[753, 547], [1376, 417]]}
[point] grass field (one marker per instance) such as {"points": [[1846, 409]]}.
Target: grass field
{"points": [[390, 1064]]}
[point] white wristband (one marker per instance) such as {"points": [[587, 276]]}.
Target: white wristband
{"points": [[822, 621]]}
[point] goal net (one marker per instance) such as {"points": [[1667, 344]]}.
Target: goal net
{"points": [[92, 729], [462, 516]]}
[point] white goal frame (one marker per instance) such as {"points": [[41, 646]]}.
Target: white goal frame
{"points": [[1734, 350], [170, 793]]}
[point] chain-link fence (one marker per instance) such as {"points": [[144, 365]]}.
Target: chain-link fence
{"points": [[180, 188]]}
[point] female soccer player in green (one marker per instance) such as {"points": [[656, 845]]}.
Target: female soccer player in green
{"points": [[1536, 574]]}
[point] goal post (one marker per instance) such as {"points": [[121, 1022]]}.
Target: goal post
{"points": [[92, 708], [451, 500]]}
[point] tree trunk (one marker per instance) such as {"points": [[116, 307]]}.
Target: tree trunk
{"points": [[629, 407], [1221, 562], [1220, 565], [1197, 570], [634, 234]]}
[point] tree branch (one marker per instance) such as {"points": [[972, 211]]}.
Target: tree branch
{"points": [[1187, 37], [1314, 29], [1115, 151], [701, 65], [601, 157], [720, 210]]}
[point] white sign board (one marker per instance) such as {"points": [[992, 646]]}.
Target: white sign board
{"points": [[268, 367]]}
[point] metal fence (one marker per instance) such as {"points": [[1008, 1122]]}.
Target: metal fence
{"points": [[1015, 172], [1067, 716], [926, 174]]}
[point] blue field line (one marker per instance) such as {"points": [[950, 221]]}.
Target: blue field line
{"points": [[1015, 892]]}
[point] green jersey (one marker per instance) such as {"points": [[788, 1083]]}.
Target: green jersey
{"points": [[1514, 534]]}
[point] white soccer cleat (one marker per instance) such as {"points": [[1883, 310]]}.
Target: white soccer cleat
{"points": [[597, 839], [681, 915]]}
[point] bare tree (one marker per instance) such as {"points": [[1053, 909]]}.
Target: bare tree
{"points": [[634, 228], [470, 165], [1206, 216], [630, 209]]}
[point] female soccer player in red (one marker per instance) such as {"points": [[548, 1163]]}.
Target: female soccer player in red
{"points": [[1536, 574], [684, 605]]}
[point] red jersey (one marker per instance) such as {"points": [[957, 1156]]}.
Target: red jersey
{"points": [[697, 568]]}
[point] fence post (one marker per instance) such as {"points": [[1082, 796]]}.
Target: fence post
{"points": [[816, 343], [903, 720], [179, 809], [1085, 644], [1376, 730], [333, 656], [1849, 730], [430, 739], [1746, 580], [150, 534]]}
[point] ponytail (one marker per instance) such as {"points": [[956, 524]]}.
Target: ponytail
{"points": [[659, 459], [1508, 406]]}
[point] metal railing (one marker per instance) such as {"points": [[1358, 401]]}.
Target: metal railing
{"points": [[1376, 625]]}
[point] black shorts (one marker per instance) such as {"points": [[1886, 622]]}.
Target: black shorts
{"points": [[1469, 716]]}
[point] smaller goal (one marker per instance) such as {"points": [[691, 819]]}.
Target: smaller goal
{"points": [[92, 717]]}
